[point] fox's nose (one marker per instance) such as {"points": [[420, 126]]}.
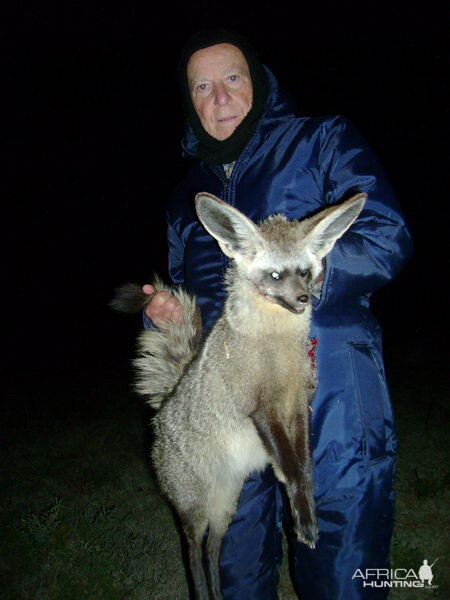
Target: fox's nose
{"points": [[303, 299]]}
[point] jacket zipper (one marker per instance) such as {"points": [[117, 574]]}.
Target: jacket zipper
{"points": [[226, 183], [227, 197]]}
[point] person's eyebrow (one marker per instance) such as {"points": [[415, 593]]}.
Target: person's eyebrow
{"points": [[239, 68], [197, 79]]}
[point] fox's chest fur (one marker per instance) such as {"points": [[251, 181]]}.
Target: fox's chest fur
{"points": [[268, 359], [270, 371]]}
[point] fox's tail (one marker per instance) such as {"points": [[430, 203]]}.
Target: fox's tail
{"points": [[165, 351]]}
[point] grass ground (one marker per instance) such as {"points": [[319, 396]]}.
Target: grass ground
{"points": [[81, 516]]}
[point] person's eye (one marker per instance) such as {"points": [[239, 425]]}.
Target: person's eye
{"points": [[201, 87], [233, 78]]}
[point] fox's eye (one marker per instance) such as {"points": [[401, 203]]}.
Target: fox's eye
{"points": [[275, 275]]}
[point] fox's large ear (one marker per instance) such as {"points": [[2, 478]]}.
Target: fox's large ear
{"points": [[333, 225], [237, 235]]}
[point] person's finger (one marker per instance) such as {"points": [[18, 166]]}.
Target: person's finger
{"points": [[148, 289], [160, 300], [162, 306], [156, 305], [177, 314]]}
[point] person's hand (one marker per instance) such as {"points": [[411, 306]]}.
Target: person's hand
{"points": [[162, 306]]}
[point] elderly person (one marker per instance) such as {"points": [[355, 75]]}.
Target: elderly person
{"points": [[254, 153]]}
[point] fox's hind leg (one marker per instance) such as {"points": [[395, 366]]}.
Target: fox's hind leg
{"points": [[213, 546], [304, 511], [293, 462], [222, 504], [194, 527]]}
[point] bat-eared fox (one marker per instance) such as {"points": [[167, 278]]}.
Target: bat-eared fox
{"points": [[238, 398]]}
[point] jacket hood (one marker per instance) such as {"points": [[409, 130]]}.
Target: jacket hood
{"points": [[279, 107]]}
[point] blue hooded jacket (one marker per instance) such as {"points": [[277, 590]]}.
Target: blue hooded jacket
{"points": [[298, 166]]}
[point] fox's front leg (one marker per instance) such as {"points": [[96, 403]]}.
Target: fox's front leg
{"points": [[292, 458]]}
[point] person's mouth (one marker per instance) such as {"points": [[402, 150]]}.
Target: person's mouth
{"points": [[227, 120]]}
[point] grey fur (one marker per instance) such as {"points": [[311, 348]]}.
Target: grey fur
{"points": [[240, 399]]}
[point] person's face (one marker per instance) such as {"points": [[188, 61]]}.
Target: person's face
{"points": [[221, 88]]}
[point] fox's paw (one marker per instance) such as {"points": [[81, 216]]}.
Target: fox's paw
{"points": [[308, 532]]}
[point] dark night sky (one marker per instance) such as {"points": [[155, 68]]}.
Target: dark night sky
{"points": [[92, 128]]}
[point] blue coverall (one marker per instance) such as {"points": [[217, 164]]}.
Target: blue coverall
{"points": [[297, 166]]}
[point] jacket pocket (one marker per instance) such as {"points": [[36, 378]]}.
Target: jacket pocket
{"points": [[371, 395]]}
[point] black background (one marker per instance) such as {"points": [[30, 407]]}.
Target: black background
{"points": [[92, 123]]}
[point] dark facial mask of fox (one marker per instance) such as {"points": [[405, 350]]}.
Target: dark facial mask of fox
{"points": [[239, 399]]}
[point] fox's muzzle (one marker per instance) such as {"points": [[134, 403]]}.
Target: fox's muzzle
{"points": [[297, 307]]}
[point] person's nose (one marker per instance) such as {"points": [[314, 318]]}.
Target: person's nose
{"points": [[222, 97]]}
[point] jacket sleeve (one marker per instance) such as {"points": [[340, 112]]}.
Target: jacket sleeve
{"points": [[176, 256], [378, 244]]}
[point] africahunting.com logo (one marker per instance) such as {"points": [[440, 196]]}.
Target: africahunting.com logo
{"points": [[397, 578]]}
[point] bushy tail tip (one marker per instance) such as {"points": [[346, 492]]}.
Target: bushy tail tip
{"points": [[129, 299]]}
